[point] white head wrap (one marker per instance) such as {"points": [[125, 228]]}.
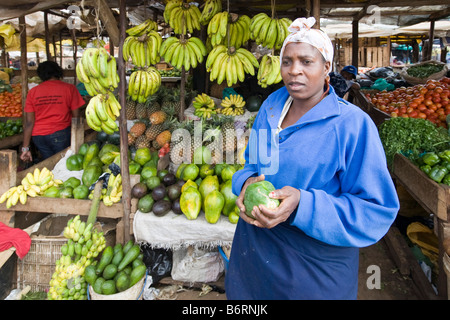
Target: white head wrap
{"points": [[300, 31]]}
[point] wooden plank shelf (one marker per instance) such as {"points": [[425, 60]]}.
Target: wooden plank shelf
{"points": [[11, 141]]}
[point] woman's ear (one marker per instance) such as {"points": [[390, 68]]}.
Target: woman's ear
{"points": [[327, 67]]}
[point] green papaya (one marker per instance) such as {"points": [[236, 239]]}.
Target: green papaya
{"points": [[52, 192], [81, 192], [83, 149], [75, 162], [90, 175], [227, 172], [213, 203], [207, 185], [258, 193], [66, 192], [229, 196], [180, 170], [72, 182], [190, 203], [108, 147], [206, 170], [92, 151], [96, 161], [108, 157]]}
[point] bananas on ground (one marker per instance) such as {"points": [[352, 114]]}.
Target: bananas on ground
{"points": [[269, 70], [183, 53], [237, 31], [97, 69], [143, 28], [82, 247], [113, 191], [143, 50], [204, 106], [269, 32], [210, 8], [101, 113], [230, 64], [182, 17], [32, 185], [144, 83], [233, 105]]}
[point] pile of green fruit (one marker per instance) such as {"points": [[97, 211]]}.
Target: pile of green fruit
{"points": [[436, 166], [10, 127], [119, 268], [174, 72]]}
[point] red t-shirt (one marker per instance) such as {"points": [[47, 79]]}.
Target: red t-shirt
{"points": [[52, 103]]}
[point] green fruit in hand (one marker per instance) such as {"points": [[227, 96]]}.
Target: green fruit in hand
{"points": [[258, 193]]}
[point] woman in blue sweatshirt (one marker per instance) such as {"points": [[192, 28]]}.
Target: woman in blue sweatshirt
{"points": [[325, 158]]}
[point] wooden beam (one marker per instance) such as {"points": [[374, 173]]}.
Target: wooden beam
{"points": [[23, 61], [355, 44], [47, 37], [430, 41], [107, 17], [316, 13]]}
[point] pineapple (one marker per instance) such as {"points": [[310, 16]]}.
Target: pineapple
{"points": [[164, 137], [213, 140], [152, 105], [131, 139], [178, 145], [153, 131], [176, 101], [141, 111], [228, 134], [158, 117], [130, 109], [142, 142], [138, 129]]}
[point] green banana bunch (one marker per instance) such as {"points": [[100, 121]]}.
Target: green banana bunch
{"points": [[97, 69], [32, 185], [269, 71], [183, 53], [143, 83], [170, 5], [230, 64], [210, 8], [113, 191], [82, 247], [238, 31], [102, 112], [204, 106], [233, 105], [269, 32], [143, 28], [182, 17], [143, 50], [217, 28]]}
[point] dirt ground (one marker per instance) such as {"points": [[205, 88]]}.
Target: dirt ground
{"points": [[392, 286]]}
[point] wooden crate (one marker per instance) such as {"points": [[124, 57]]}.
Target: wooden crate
{"points": [[432, 196]]}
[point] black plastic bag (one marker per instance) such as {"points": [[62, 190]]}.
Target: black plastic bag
{"points": [[382, 72], [158, 262]]}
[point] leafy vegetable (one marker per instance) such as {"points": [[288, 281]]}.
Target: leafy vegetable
{"points": [[412, 137], [424, 70]]}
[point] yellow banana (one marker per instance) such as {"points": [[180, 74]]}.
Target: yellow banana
{"points": [[81, 73], [248, 67], [256, 24], [30, 178], [36, 173], [23, 197], [143, 85], [171, 50], [166, 44], [239, 69], [14, 198], [103, 62], [100, 108], [114, 104], [91, 114], [213, 55], [131, 82], [92, 55]]}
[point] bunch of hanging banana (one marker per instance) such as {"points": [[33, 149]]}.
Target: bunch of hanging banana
{"points": [[230, 64], [210, 8], [102, 112], [143, 50], [143, 28], [113, 191], [217, 28], [269, 70], [204, 106], [237, 34], [182, 17], [98, 71], [233, 105], [143, 83], [32, 185], [183, 53], [170, 5], [269, 32]]}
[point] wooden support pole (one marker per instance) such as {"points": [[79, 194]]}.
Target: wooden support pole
{"points": [[355, 44], [47, 37], [430, 41], [126, 188], [23, 60], [8, 169], [316, 13], [75, 51], [61, 50], [3, 59]]}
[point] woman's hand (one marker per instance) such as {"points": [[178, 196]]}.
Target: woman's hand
{"points": [[26, 156], [240, 199]]}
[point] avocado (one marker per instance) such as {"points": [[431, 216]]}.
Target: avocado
{"points": [[145, 203], [139, 190], [161, 207], [173, 191], [159, 192], [176, 206], [169, 179]]}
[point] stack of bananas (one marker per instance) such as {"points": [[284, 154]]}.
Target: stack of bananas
{"points": [[237, 31], [204, 106], [113, 191], [269, 70], [183, 53], [182, 17], [143, 83], [82, 247], [233, 105], [97, 70], [102, 112], [210, 8], [269, 32], [32, 185], [143, 28], [143, 50], [230, 64]]}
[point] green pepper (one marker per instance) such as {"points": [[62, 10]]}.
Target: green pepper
{"points": [[444, 155], [446, 179], [430, 158], [438, 173], [425, 168], [446, 164]]}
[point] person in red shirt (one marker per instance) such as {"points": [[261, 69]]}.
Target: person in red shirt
{"points": [[49, 109]]}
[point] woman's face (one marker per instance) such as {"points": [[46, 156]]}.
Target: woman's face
{"points": [[303, 70]]}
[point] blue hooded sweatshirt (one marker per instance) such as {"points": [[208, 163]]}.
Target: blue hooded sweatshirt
{"points": [[334, 156]]}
